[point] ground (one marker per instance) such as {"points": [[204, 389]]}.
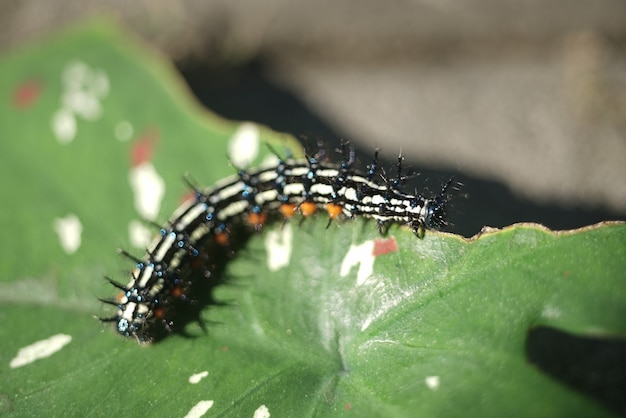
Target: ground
{"points": [[525, 103]]}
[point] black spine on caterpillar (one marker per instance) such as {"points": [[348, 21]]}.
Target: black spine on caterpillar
{"points": [[198, 238]]}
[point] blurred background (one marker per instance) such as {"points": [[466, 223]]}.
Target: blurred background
{"points": [[524, 102]]}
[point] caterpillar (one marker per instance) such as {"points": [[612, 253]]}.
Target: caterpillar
{"points": [[186, 257]]}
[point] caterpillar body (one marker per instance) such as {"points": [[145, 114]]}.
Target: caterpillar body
{"points": [[189, 251]]}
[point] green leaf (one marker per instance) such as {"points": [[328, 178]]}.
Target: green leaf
{"points": [[438, 327]]}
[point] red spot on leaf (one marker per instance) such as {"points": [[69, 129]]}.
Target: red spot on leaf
{"points": [[384, 246], [187, 196], [348, 406], [27, 93], [224, 349], [144, 146]]}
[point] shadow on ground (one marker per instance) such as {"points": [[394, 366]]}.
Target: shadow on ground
{"points": [[245, 93]]}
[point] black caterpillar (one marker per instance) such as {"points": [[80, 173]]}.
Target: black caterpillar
{"points": [[185, 259]]}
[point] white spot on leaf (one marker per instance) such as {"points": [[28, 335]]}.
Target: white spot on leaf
{"points": [[432, 382], [124, 131], [148, 188], [243, 146], [279, 244], [98, 84], [367, 323], [196, 378], [74, 75], [269, 160], [363, 255], [39, 350], [262, 412], [78, 76], [69, 230], [199, 409], [64, 126], [140, 236], [83, 89], [550, 312], [83, 104]]}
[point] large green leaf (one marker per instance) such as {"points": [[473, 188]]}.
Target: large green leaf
{"points": [[438, 327]]}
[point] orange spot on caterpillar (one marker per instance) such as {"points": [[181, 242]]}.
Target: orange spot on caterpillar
{"points": [[288, 210], [159, 312], [197, 262], [333, 210], [256, 220], [177, 292], [222, 238], [384, 246], [307, 208]]}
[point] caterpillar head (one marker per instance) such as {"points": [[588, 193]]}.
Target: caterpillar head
{"points": [[436, 216], [436, 210]]}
